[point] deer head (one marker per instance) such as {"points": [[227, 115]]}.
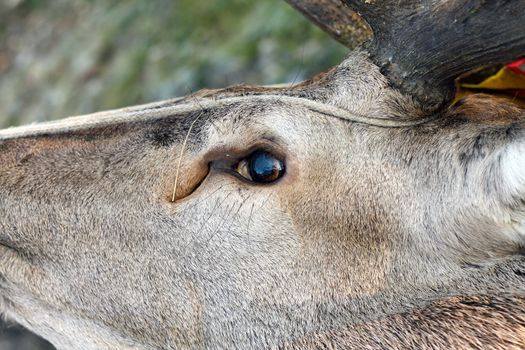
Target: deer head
{"points": [[356, 209]]}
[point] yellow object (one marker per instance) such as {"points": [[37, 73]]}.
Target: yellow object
{"points": [[504, 79], [506, 83]]}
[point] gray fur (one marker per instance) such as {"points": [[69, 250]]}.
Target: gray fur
{"points": [[376, 237]]}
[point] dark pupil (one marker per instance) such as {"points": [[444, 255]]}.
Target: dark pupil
{"points": [[264, 167]]}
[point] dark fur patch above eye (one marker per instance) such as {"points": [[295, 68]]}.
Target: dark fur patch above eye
{"points": [[173, 129], [162, 137]]}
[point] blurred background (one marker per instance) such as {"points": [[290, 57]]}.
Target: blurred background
{"points": [[67, 57]]}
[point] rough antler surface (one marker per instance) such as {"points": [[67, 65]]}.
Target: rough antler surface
{"points": [[422, 46], [334, 17]]}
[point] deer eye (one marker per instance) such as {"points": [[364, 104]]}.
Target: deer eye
{"points": [[261, 167]]}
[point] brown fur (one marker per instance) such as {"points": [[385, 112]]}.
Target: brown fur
{"points": [[462, 322]]}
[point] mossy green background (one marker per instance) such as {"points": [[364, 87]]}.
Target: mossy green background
{"points": [[69, 57]]}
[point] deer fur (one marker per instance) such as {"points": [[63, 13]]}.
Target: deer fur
{"points": [[407, 236]]}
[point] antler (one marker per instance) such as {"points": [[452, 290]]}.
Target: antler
{"points": [[334, 17], [422, 46]]}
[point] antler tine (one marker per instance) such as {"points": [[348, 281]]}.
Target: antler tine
{"points": [[422, 46], [335, 18]]}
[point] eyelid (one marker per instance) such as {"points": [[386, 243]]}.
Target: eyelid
{"points": [[226, 165], [226, 153], [234, 166]]}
